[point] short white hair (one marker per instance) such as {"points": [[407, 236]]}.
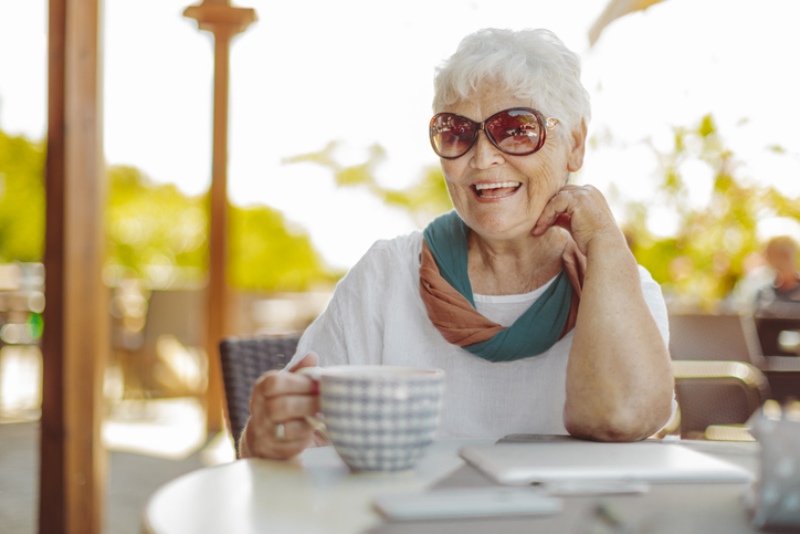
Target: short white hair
{"points": [[533, 65]]}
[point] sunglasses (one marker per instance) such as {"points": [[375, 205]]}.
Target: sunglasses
{"points": [[514, 131]]}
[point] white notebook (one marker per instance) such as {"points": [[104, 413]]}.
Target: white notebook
{"points": [[555, 461]]}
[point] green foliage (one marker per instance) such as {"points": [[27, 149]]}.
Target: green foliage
{"points": [[705, 259], [160, 235], [22, 199], [156, 233], [267, 253], [423, 200]]}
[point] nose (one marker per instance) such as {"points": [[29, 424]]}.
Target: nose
{"points": [[484, 154]]}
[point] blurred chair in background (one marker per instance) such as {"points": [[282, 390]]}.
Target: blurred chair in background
{"points": [[777, 303], [728, 337], [779, 336], [719, 382], [717, 397]]}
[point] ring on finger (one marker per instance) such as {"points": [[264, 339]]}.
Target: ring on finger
{"points": [[280, 432]]}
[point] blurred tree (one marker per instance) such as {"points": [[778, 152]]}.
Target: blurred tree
{"points": [[704, 260], [423, 200], [21, 199], [155, 232], [160, 235], [268, 253]]}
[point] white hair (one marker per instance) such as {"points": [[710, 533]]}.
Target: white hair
{"points": [[533, 65]]}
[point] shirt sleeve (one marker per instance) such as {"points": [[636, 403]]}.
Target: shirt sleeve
{"points": [[350, 330], [655, 302], [658, 307]]}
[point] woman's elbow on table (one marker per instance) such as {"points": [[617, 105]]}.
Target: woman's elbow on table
{"points": [[627, 424]]}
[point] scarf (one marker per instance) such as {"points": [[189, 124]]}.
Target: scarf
{"points": [[447, 293]]}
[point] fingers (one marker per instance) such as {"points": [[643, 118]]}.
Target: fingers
{"points": [[279, 404], [310, 360], [289, 435], [584, 213], [265, 441], [557, 211], [277, 383], [282, 408], [283, 396]]}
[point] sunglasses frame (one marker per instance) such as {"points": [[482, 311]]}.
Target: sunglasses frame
{"points": [[544, 125]]}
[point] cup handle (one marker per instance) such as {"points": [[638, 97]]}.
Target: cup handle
{"points": [[316, 423]]}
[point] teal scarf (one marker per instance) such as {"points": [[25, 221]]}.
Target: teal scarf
{"points": [[533, 333]]}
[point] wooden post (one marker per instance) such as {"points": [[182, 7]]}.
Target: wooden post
{"points": [[223, 21], [75, 343]]}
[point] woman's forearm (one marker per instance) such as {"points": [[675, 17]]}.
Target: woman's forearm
{"points": [[619, 377]]}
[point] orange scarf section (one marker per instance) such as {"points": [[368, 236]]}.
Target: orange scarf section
{"points": [[460, 323]]}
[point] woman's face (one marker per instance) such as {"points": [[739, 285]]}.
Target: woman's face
{"points": [[500, 196]]}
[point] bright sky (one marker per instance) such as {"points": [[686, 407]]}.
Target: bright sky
{"points": [[360, 71]]}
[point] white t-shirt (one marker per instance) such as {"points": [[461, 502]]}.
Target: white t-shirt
{"points": [[376, 316]]}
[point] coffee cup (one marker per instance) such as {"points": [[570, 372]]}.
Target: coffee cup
{"points": [[378, 418]]}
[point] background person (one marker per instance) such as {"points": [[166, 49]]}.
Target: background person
{"points": [[780, 298], [527, 294]]}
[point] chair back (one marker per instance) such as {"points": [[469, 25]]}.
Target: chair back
{"points": [[729, 337], [717, 393], [722, 375], [244, 360], [779, 336]]}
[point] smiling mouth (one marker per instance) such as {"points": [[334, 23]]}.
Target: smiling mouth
{"points": [[496, 190]]}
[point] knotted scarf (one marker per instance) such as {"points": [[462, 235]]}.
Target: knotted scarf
{"points": [[447, 293]]}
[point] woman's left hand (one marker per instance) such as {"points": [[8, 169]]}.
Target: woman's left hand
{"points": [[582, 211]]}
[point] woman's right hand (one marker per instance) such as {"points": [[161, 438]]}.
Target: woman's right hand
{"points": [[279, 405]]}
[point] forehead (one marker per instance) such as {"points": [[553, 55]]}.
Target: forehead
{"points": [[484, 103]]}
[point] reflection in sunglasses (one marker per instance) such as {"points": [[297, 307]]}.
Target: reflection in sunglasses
{"points": [[515, 131]]}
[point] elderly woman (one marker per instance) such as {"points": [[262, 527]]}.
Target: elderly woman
{"points": [[526, 294]]}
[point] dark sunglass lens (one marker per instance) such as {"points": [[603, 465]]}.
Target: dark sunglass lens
{"points": [[515, 131], [451, 135]]}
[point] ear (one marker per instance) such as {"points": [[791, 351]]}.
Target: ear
{"points": [[577, 148]]}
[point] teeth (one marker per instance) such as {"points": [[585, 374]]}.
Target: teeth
{"points": [[481, 187]]}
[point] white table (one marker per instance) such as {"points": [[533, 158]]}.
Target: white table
{"points": [[316, 493]]}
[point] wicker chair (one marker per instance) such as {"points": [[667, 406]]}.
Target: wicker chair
{"points": [[244, 359]]}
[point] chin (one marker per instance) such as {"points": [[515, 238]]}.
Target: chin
{"points": [[495, 228]]}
